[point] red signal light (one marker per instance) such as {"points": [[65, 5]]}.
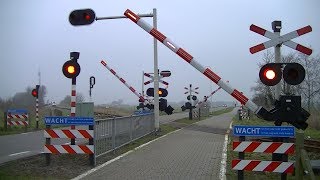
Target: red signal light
{"points": [[87, 17], [82, 17], [270, 74], [34, 93]]}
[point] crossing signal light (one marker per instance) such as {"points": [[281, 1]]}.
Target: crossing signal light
{"points": [[294, 73], [271, 74], [35, 92], [162, 92], [82, 17], [71, 69]]}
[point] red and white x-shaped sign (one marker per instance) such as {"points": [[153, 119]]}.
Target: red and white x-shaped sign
{"points": [[152, 79], [284, 39]]}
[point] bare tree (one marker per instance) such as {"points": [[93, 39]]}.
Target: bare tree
{"points": [[310, 87]]}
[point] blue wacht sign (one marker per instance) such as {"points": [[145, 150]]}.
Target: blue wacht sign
{"points": [[17, 111], [67, 120], [270, 131]]}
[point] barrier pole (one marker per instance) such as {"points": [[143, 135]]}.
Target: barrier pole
{"points": [[260, 111], [48, 142], [241, 156], [5, 121]]}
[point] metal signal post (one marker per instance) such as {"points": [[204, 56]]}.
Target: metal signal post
{"points": [[71, 69]]}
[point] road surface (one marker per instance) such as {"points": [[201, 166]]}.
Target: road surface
{"points": [[194, 152]]}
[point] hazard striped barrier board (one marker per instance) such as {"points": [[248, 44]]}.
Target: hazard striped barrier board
{"points": [[17, 116], [17, 123], [66, 133], [69, 149], [263, 147], [262, 166]]}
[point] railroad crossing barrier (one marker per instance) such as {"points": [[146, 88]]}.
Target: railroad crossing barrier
{"points": [[11, 116], [242, 146], [71, 134]]}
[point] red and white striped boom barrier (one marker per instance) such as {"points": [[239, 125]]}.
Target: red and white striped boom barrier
{"points": [[123, 81], [192, 61], [208, 96], [284, 39]]}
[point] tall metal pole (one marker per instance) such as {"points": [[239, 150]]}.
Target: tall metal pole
{"points": [[156, 75], [276, 26]]}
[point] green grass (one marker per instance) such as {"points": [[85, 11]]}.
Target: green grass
{"points": [[222, 111]]}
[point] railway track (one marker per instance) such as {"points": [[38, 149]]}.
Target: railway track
{"points": [[309, 144]]}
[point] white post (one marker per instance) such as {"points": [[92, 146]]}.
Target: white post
{"points": [[156, 75], [277, 59], [276, 26]]}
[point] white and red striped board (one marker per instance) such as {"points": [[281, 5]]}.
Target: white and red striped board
{"points": [[284, 39], [66, 133], [17, 123], [262, 166], [263, 147], [69, 149], [152, 79], [17, 116]]}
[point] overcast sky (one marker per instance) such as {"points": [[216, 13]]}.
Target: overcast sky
{"points": [[37, 33]]}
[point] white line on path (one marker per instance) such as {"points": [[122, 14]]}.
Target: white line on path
{"points": [[19, 153], [222, 174], [121, 156]]}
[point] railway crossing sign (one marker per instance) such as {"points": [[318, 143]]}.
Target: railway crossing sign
{"points": [[276, 39], [68, 120], [266, 131], [162, 75]]}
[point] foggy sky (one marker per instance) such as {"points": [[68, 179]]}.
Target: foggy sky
{"points": [[36, 34]]}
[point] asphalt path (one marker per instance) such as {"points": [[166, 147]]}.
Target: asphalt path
{"points": [[31, 143]]}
